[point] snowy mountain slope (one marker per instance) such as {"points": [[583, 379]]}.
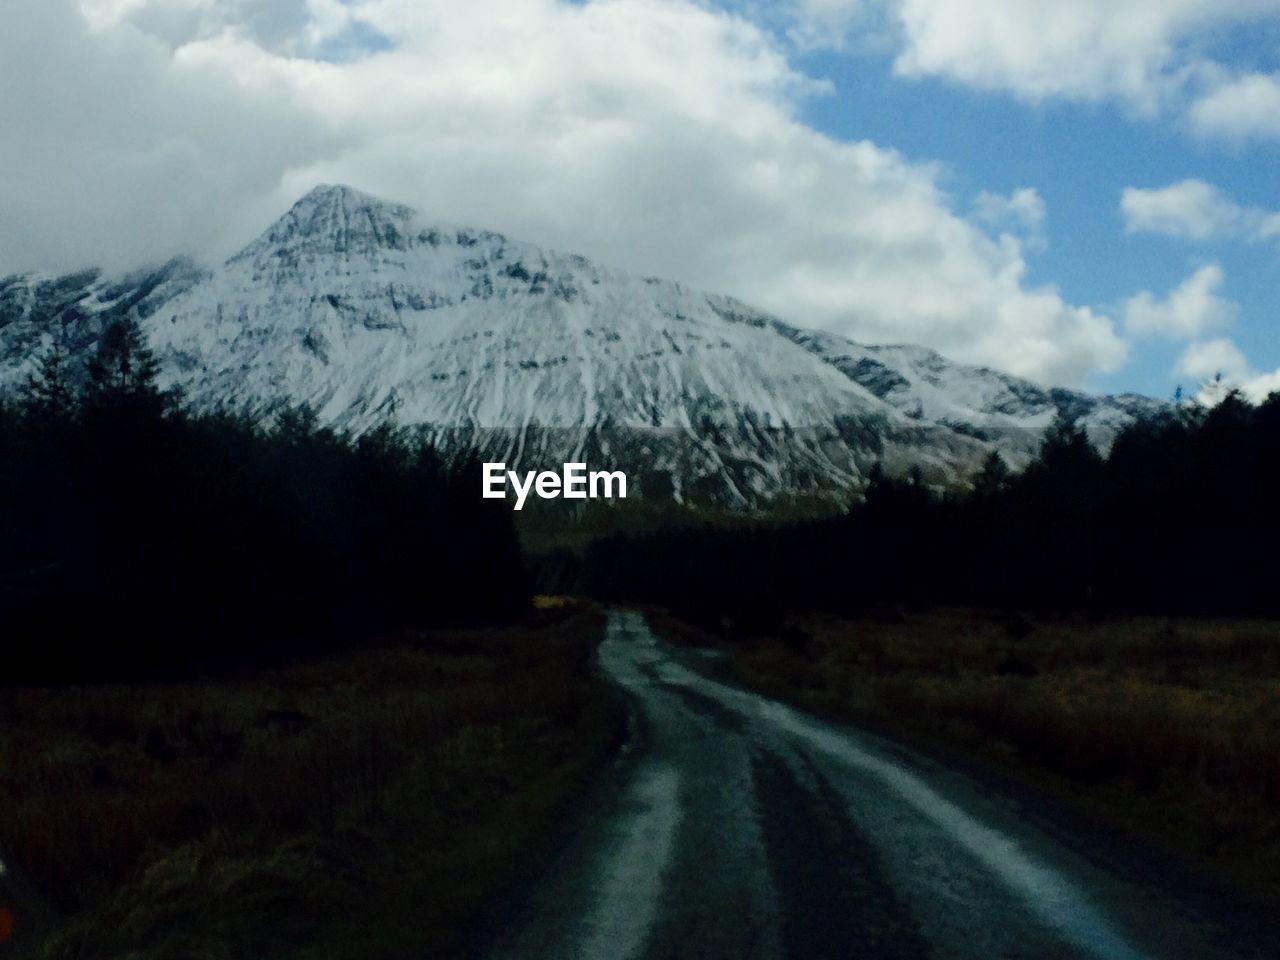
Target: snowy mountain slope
{"points": [[76, 308], [363, 310], [1005, 410]]}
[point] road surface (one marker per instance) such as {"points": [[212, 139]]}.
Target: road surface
{"points": [[734, 827]]}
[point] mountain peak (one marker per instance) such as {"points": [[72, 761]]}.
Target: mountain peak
{"points": [[335, 220], [330, 195]]}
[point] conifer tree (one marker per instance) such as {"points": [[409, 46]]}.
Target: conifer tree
{"points": [[993, 478], [1066, 447], [123, 372], [48, 394]]}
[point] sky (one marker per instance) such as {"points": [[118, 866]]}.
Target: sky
{"points": [[1081, 193]]}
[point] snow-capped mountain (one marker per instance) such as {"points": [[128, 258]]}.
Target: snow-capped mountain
{"points": [[363, 310]]}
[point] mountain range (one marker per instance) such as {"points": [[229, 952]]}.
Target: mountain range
{"points": [[365, 311]]}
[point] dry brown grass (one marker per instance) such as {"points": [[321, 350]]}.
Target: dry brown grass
{"points": [[1166, 727], [368, 804]]}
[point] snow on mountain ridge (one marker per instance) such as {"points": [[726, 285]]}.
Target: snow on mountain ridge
{"points": [[993, 406], [362, 309]]}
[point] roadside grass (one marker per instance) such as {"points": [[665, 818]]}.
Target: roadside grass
{"points": [[1165, 727], [372, 804]]}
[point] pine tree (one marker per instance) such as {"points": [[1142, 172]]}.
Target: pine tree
{"points": [[296, 425], [48, 394], [993, 478], [879, 487], [1066, 450], [124, 371]]}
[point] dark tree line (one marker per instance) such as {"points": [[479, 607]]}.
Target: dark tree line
{"points": [[1181, 517], [138, 537]]}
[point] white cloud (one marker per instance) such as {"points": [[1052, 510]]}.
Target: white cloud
{"points": [[1191, 208], [1190, 309], [115, 153], [1259, 386], [1020, 213], [826, 23], [659, 135], [1196, 210], [299, 27], [1221, 366], [1134, 50], [1156, 57], [1213, 358], [1243, 108]]}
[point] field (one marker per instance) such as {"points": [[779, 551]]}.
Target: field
{"points": [[375, 804], [1163, 727]]}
